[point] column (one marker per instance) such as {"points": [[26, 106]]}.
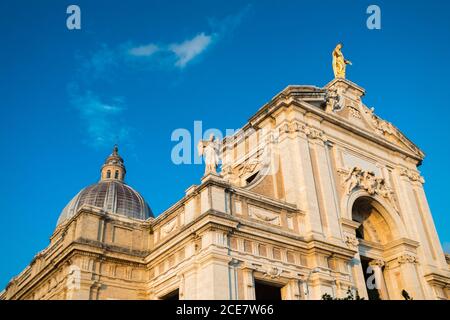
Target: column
{"points": [[292, 290], [358, 276], [248, 284], [377, 268], [407, 263]]}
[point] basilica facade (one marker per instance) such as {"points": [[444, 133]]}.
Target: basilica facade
{"points": [[316, 195]]}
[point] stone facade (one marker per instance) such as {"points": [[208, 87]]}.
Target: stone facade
{"points": [[317, 188]]}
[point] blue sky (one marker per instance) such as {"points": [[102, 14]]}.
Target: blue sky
{"points": [[137, 70]]}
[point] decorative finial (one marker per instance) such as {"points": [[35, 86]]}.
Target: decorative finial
{"points": [[116, 149], [339, 63]]}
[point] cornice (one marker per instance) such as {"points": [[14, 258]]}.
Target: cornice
{"points": [[285, 99]]}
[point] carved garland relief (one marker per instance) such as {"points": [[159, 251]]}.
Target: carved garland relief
{"points": [[263, 215]]}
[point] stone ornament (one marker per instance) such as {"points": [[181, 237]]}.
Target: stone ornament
{"points": [[386, 129], [351, 241], [407, 258], [273, 272], [377, 263], [412, 175], [355, 112], [264, 215], [169, 227], [367, 181], [334, 99], [309, 131]]}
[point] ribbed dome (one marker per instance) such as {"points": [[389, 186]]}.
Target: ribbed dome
{"points": [[111, 196]]}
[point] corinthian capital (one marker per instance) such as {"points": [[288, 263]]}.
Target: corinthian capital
{"points": [[377, 263]]}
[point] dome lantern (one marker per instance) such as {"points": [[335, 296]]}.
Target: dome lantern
{"points": [[113, 168]]}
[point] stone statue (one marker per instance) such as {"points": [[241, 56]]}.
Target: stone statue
{"points": [[339, 63], [209, 149], [335, 100], [353, 179], [368, 181]]}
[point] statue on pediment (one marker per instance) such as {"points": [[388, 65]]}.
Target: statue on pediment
{"points": [[339, 62]]}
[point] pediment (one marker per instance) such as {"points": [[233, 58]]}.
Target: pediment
{"points": [[391, 133], [344, 100]]}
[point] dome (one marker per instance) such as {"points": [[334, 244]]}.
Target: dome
{"points": [[110, 194]]}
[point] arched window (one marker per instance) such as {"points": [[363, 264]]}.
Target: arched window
{"points": [[108, 174], [116, 174]]}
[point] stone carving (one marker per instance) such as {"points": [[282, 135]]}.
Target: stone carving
{"points": [[334, 99], [368, 181], [272, 272], [377, 262], [355, 112], [407, 258], [381, 126], [310, 132], [209, 149], [250, 166], [385, 128], [412, 175], [263, 215], [351, 241], [168, 227]]}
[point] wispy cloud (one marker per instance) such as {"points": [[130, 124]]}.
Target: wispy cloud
{"points": [[101, 117], [144, 50], [173, 55], [181, 53], [189, 49]]}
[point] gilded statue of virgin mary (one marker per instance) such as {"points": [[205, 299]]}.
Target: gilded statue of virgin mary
{"points": [[339, 63]]}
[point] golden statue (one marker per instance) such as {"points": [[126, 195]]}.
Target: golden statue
{"points": [[339, 63]]}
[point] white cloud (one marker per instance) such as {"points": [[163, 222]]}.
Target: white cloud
{"points": [[189, 49], [144, 50]]}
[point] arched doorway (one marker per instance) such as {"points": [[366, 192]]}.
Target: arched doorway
{"points": [[374, 231]]}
